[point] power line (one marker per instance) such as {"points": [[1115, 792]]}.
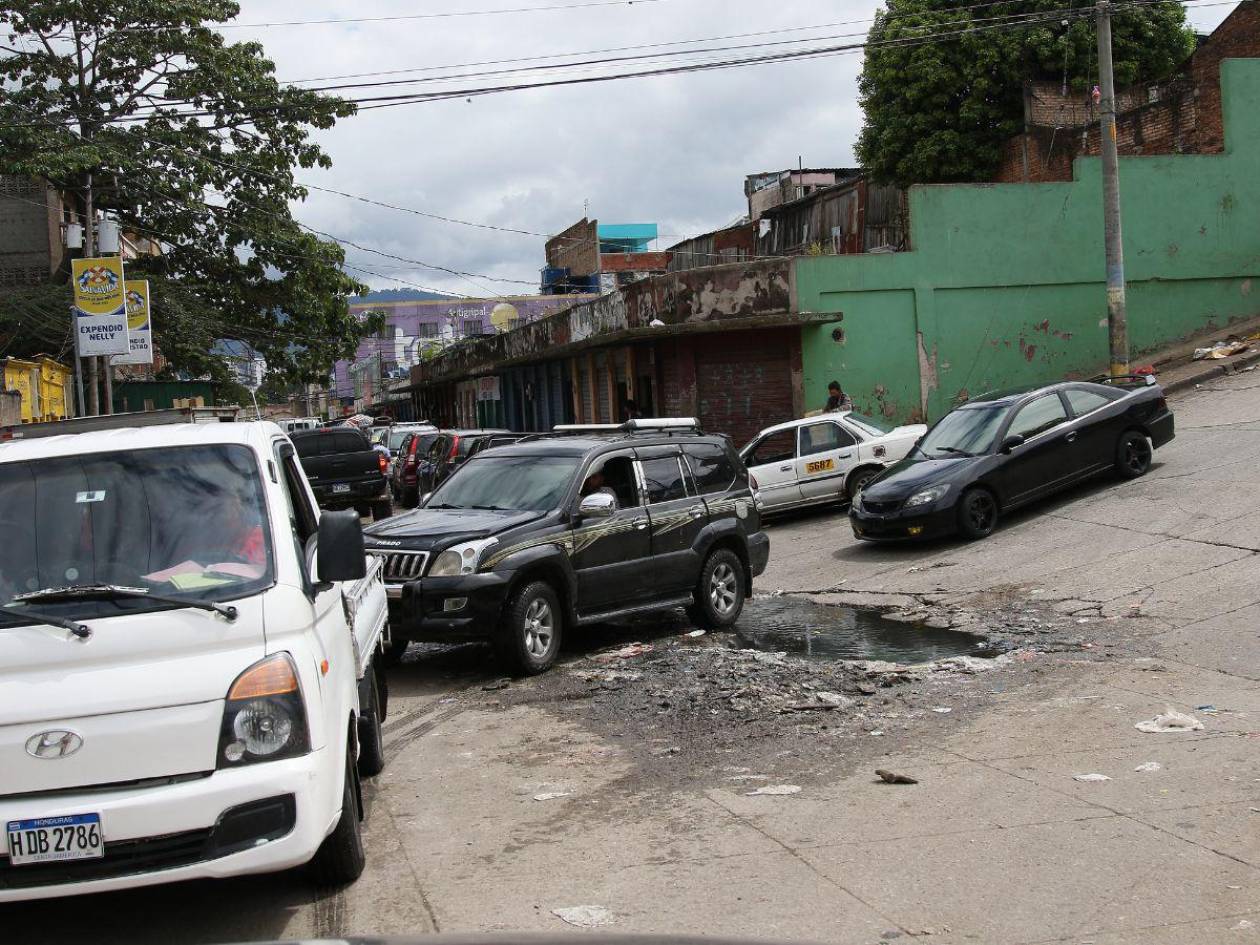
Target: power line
{"points": [[451, 14]]}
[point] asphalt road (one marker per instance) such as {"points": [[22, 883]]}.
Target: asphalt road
{"points": [[997, 842]]}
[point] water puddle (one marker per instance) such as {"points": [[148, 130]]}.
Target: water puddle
{"points": [[821, 632]]}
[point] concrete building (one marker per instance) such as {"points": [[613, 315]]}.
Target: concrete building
{"points": [[1002, 285], [31, 250], [592, 257], [43, 385]]}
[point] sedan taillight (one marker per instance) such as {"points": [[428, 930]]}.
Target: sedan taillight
{"points": [[383, 462]]}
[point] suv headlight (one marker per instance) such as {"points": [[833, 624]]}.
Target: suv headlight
{"points": [[926, 496], [461, 559], [264, 718]]}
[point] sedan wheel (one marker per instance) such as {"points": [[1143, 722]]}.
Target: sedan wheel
{"points": [[977, 514], [1133, 455]]}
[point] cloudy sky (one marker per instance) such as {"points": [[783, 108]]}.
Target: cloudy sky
{"points": [[672, 150]]}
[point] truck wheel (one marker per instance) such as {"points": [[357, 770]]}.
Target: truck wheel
{"points": [[371, 734], [719, 594], [340, 858], [529, 639], [382, 509], [1133, 455]]}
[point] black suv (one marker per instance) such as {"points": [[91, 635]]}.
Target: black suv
{"points": [[573, 528]]}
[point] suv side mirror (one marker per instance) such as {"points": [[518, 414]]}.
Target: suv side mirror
{"points": [[340, 555], [424, 499], [597, 505], [1012, 442]]}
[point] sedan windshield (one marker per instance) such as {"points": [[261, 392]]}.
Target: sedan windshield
{"points": [[966, 432], [139, 519], [508, 483]]}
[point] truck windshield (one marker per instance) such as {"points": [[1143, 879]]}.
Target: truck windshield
{"points": [[509, 483], [181, 522]]}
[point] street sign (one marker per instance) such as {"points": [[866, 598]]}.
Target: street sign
{"points": [[488, 388], [100, 306], [139, 324]]}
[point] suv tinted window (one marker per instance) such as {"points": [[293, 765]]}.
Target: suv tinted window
{"points": [[664, 478], [710, 466]]}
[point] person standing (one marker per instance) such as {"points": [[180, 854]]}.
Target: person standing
{"points": [[837, 399]]}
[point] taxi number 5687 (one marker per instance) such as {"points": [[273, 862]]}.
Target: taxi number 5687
{"points": [[821, 465]]}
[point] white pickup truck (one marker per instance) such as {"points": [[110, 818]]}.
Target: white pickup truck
{"points": [[187, 677]]}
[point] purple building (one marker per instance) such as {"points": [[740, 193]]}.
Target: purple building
{"points": [[418, 326]]}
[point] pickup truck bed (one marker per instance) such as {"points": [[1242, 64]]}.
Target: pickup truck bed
{"points": [[343, 469]]}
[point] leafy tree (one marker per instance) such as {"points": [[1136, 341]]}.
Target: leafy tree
{"points": [[192, 143], [941, 110]]}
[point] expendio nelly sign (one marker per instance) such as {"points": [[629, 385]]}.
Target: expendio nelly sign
{"points": [[100, 306]]}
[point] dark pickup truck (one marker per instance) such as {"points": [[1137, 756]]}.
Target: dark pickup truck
{"points": [[344, 470]]}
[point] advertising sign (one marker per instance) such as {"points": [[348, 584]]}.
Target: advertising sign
{"points": [[487, 388], [101, 317], [139, 326]]}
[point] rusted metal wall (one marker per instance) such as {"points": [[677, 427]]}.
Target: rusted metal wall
{"points": [[853, 217], [733, 244]]}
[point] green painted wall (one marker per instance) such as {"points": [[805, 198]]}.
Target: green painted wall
{"points": [[1005, 285]]}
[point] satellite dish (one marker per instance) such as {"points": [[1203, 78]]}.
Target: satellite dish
{"points": [[503, 315]]}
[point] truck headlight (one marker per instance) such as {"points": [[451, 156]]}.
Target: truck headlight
{"points": [[264, 718], [927, 496], [461, 559]]}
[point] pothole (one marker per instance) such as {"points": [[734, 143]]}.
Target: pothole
{"points": [[827, 632]]}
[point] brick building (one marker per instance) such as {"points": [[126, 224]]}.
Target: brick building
{"points": [[1179, 115]]}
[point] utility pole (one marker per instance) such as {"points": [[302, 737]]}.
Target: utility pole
{"points": [[1117, 317], [89, 251]]}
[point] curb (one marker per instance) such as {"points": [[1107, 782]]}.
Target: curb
{"points": [[1216, 369]]}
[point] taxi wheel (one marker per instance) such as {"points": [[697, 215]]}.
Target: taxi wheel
{"points": [[858, 480], [719, 594], [340, 858], [529, 639]]}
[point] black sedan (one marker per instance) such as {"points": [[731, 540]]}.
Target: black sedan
{"points": [[1003, 450]]}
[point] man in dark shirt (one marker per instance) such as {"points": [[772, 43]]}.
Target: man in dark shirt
{"points": [[837, 399]]}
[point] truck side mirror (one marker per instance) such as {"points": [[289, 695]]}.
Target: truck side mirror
{"points": [[340, 555]]}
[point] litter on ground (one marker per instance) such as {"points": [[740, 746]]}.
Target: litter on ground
{"points": [[585, 917], [1149, 766], [1170, 721], [1093, 776], [775, 790]]}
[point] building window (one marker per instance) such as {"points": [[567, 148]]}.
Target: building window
{"points": [[427, 330], [469, 327]]}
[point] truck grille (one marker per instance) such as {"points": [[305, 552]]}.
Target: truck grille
{"points": [[403, 565]]}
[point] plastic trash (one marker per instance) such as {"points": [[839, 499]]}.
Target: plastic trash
{"points": [[891, 777], [1170, 721], [585, 917], [942, 709], [775, 790], [625, 653], [1149, 766], [552, 795], [1090, 777], [695, 633]]}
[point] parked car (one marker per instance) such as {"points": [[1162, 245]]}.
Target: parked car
{"points": [[293, 424], [344, 470], [522, 543], [1006, 449], [189, 650], [405, 467], [822, 459], [489, 441], [446, 453]]}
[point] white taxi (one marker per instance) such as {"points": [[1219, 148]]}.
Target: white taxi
{"points": [[825, 458]]}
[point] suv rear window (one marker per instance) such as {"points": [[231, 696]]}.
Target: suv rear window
{"points": [[711, 467]]}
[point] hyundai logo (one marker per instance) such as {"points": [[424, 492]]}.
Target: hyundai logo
{"points": [[55, 744]]}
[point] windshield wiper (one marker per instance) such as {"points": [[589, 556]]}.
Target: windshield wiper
{"points": [[79, 630], [954, 450], [490, 508], [85, 591]]}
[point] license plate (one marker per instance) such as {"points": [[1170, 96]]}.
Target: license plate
{"points": [[339, 488], [822, 465], [55, 839]]}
